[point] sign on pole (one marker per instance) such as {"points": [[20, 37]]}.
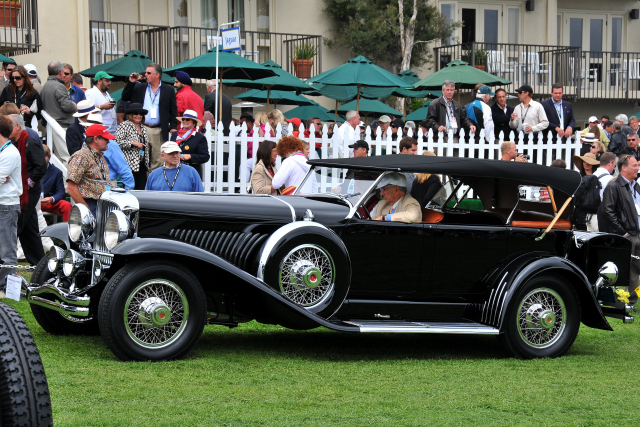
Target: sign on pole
{"points": [[230, 39]]}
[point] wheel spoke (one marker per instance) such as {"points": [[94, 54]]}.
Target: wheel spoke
{"points": [[298, 266], [541, 317]]}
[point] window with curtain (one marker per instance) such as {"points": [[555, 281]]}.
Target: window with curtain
{"points": [[263, 16], [448, 11], [209, 14], [514, 25], [96, 10], [180, 13], [236, 12]]}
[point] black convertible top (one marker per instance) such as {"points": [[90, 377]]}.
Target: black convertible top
{"points": [[564, 180]]}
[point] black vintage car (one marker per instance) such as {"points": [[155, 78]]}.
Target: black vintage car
{"points": [[494, 254]]}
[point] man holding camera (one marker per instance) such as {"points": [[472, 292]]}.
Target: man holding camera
{"points": [[99, 95], [509, 152]]}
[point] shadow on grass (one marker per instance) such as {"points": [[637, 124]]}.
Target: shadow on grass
{"points": [[323, 344]]}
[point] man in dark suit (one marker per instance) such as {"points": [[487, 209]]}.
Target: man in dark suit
{"points": [[210, 105], [53, 190], [160, 102], [501, 113], [559, 113]]}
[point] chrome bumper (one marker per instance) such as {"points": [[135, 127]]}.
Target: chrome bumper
{"points": [[71, 305]]}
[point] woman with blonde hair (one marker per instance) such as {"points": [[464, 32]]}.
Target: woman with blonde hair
{"points": [[277, 118], [261, 120], [294, 167], [426, 185]]}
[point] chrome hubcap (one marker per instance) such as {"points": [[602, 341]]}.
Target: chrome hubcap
{"points": [[541, 317], [156, 313], [307, 275]]}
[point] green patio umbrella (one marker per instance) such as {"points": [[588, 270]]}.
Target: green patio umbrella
{"points": [[464, 75], [420, 113], [281, 97], [6, 59], [308, 111], [231, 66], [121, 68], [409, 76], [281, 81], [369, 106], [359, 72]]}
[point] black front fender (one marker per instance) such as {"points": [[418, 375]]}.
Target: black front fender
{"points": [[59, 232], [533, 265], [133, 249]]}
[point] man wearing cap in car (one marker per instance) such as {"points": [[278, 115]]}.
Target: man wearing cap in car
{"points": [[88, 173], [75, 133], [396, 205], [528, 116], [173, 175], [99, 95]]}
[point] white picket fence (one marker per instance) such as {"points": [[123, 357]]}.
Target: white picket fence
{"points": [[224, 150]]}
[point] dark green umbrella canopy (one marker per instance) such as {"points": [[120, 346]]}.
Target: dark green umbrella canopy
{"points": [[6, 59], [359, 71], [276, 96], [121, 68], [464, 76], [347, 93], [230, 66], [409, 76], [420, 113], [308, 111], [368, 106], [282, 80]]}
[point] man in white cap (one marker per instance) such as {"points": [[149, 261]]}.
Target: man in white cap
{"points": [[99, 95], [76, 132], [173, 175], [396, 205], [383, 123], [33, 75]]}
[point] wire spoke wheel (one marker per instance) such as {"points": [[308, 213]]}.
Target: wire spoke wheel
{"points": [[542, 317], [156, 313], [307, 275]]}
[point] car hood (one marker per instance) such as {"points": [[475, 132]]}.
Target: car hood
{"points": [[240, 208]]}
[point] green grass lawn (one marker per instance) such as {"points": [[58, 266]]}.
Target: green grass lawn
{"points": [[267, 375]]}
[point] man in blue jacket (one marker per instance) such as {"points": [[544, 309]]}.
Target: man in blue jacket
{"points": [[559, 113], [53, 190], [173, 175]]}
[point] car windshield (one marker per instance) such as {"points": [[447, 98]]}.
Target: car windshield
{"points": [[456, 195], [350, 184]]}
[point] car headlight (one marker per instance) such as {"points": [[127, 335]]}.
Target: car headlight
{"points": [[81, 223], [116, 229], [56, 255], [73, 262]]}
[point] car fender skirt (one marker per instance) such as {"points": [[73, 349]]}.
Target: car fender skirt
{"points": [[533, 265], [59, 233], [282, 307]]}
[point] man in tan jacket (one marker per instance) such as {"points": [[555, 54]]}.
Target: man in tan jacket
{"points": [[396, 205]]}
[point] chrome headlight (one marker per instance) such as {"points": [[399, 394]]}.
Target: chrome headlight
{"points": [[56, 255], [116, 229], [81, 223], [73, 263], [609, 273]]}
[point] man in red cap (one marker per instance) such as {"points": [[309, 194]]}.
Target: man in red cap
{"points": [[88, 173]]}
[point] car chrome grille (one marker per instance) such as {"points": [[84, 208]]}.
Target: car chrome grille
{"points": [[232, 246], [105, 207]]}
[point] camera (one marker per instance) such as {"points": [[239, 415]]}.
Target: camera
{"points": [[525, 156]]}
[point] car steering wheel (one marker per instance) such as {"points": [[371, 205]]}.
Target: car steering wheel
{"points": [[359, 215]]}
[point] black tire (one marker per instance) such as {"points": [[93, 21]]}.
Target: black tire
{"points": [[542, 320], [24, 392], [325, 257], [172, 299], [55, 322]]}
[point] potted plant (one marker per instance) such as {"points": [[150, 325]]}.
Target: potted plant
{"points": [[303, 59], [9, 13], [480, 58]]}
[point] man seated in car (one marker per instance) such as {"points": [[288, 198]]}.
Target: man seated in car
{"points": [[396, 205]]}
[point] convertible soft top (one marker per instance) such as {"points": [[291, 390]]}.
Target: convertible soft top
{"points": [[564, 180]]}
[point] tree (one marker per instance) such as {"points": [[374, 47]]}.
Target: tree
{"points": [[391, 33], [387, 32]]}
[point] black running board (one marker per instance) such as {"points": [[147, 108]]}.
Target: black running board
{"points": [[400, 326]]}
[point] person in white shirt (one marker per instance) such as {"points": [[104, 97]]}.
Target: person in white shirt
{"points": [[99, 94], [10, 192], [528, 116], [480, 113], [605, 175], [294, 167]]}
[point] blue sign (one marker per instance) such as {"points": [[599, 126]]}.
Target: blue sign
{"points": [[230, 39]]}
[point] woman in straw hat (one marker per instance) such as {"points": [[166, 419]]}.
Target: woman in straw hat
{"points": [[586, 164], [193, 144]]}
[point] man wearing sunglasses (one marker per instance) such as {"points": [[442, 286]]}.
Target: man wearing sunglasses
{"points": [[8, 68], [619, 213], [632, 146]]}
